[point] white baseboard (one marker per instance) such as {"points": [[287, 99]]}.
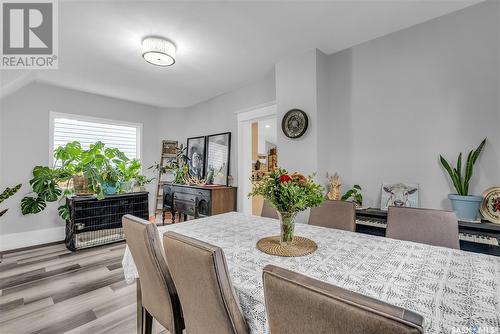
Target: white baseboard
{"points": [[31, 238]]}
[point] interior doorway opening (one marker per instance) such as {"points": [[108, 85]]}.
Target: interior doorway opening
{"points": [[257, 153]]}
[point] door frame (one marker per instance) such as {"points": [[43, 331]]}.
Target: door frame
{"points": [[245, 119]]}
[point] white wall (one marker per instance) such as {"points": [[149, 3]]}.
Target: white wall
{"points": [[218, 114], [24, 139], [403, 99], [296, 88]]}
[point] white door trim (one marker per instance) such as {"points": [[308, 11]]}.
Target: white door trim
{"points": [[245, 119]]}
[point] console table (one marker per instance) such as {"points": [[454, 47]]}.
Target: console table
{"points": [[197, 201]]}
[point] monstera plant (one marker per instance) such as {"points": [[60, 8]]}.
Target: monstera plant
{"points": [[8, 192], [100, 168]]}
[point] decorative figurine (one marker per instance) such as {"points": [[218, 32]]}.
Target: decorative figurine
{"points": [[334, 187]]}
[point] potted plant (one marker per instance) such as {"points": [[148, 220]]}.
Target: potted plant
{"points": [[128, 171], [288, 194], [178, 166], [465, 206], [75, 171], [354, 194]]}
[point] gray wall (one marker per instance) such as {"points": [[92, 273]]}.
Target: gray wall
{"points": [[401, 100], [24, 137], [218, 114]]}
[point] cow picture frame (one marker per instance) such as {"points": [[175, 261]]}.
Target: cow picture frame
{"points": [[399, 194]]}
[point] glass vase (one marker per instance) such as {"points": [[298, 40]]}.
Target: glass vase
{"points": [[287, 221]]}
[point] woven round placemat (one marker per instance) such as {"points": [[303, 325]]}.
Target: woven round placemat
{"points": [[300, 246]]}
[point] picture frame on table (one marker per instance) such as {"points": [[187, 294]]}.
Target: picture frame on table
{"points": [[196, 152], [218, 158]]}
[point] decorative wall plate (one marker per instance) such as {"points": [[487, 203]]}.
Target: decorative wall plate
{"points": [[490, 207], [294, 123]]}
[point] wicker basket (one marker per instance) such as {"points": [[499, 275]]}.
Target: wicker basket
{"points": [[81, 186]]}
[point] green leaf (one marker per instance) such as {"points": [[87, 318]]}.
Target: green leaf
{"points": [[31, 205], [478, 151], [64, 212], [9, 192], [452, 175]]}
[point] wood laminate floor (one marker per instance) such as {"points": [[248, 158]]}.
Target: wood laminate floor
{"points": [[50, 290]]}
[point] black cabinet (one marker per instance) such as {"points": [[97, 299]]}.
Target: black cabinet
{"points": [[198, 201], [96, 222]]}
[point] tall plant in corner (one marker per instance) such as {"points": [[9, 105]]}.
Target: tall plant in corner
{"points": [[466, 206]]}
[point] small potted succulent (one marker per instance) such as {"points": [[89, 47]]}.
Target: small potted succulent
{"points": [[465, 206], [354, 194]]}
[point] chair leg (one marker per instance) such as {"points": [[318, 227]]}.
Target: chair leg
{"points": [[147, 322], [140, 309]]}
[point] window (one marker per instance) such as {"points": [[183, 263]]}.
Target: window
{"points": [[66, 128]]}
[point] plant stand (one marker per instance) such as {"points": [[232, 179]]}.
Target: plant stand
{"points": [[96, 222]]}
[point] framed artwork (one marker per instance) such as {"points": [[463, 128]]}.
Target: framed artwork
{"points": [[218, 152], [196, 147], [399, 194]]}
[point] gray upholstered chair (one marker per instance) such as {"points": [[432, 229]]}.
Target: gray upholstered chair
{"points": [[334, 214], [299, 304], [199, 270], [432, 227], [156, 293], [268, 211]]}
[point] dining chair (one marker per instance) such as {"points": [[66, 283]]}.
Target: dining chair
{"points": [[156, 293], [432, 227], [299, 304], [200, 273], [334, 214], [268, 211]]}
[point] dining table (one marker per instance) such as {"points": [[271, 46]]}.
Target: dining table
{"points": [[455, 291]]}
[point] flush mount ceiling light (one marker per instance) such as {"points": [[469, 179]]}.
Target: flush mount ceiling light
{"points": [[158, 51]]}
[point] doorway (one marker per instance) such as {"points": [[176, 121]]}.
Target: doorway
{"points": [[257, 152]]}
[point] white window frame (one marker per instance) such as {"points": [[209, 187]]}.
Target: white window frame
{"points": [[53, 115]]}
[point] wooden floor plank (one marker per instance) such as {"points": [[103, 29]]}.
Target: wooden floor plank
{"points": [[25, 309], [81, 292]]}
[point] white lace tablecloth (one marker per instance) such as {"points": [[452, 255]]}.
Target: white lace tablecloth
{"points": [[455, 291]]}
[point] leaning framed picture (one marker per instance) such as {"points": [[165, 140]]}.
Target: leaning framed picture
{"points": [[218, 153], [399, 194], [196, 149]]}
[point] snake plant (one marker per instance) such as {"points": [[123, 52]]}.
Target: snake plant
{"points": [[461, 180]]}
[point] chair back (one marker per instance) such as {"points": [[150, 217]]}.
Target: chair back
{"points": [[158, 293], [299, 304], [200, 273], [432, 227], [268, 211], [334, 214]]}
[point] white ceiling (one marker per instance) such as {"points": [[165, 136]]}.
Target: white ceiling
{"points": [[221, 45]]}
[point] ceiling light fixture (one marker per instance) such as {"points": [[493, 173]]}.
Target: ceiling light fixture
{"points": [[158, 51], [268, 126]]}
